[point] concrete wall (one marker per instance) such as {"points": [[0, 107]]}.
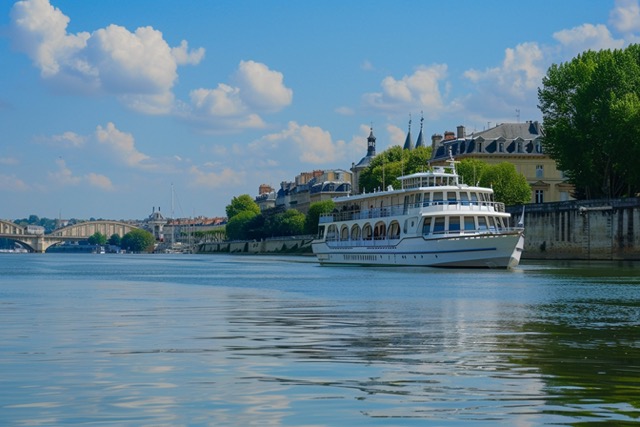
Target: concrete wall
{"points": [[596, 230]]}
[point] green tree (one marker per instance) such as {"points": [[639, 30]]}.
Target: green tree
{"points": [[313, 215], [241, 204], [387, 166], [237, 225], [115, 240], [509, 186], [97, 238], [471, 170], [138, 240], [288, 223], [591, 116]]}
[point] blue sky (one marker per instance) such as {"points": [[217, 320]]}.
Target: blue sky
{"points": [[107, 105]]}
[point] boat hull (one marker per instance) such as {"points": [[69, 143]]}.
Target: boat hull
{"points": [[474, 251]]}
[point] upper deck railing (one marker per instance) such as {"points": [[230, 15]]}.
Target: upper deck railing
{"points": [[462, 206]]}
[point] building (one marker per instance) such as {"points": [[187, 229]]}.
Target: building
{"points": [[311, 187], [356, 169], [266, 198], [517, 143]]}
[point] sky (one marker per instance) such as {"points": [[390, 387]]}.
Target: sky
{"points": [[110, 109]]}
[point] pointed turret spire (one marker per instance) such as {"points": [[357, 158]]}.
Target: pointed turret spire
{"points": [[420, 142], [371, 144], [408, 143]]}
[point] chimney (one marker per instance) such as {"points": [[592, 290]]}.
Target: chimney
{"points": [[461, 132]]}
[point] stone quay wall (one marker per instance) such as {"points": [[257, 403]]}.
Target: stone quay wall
{"points": [[294, 244], [590, 230]]}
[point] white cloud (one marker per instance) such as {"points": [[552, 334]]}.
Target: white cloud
{"points": [[521, 71], [586, 37], [139, 66], [121, 145], [259, 90], [311, 143], [227, 177], [625, 16], [100, 181], [12, 183], [182, 55], [262, 88], [418, 90], [69, 139], [65, 177]]}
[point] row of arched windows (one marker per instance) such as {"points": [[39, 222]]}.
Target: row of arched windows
{"points": [[369, 231]]}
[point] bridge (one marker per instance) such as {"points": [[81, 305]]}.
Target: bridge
{"points": [[38, 242]]}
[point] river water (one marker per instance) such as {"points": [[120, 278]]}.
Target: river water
{"points": [[224, 340]]}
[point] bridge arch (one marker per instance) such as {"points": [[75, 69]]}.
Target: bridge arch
{"points": [[7, 227], [89, 228]]}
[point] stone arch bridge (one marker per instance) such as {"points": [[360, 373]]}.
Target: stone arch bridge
{"points": [[38, 242]]}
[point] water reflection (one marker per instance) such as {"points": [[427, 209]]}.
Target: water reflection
{"points": [[245, 341]]}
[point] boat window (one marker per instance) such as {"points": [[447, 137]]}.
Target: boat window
{"points": [[394, 230], [426, 225], [437, 197], [464, 196], [418, 200], [469, 223], [380, 231], [321, 232], [492, 223], [482, 223], [454, 224], [367, 232], [355, 232], [451, 197], [344, 233], [474, 198], [438, 226], [332, 232]]}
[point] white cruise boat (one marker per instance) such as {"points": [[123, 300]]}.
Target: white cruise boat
{"points": [[433, 220]]}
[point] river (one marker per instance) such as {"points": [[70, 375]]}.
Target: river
{"points": [[226, 340]]}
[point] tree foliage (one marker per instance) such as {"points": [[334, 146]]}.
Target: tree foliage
{"points": [[115, 240], [313, 215], [242, 203], [238, 225], [97, 238], [387, 166], [591, 116], [138, 241]]}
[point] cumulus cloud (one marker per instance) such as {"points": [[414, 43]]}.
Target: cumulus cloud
{"points": [[422, 89], [261, 87], [139, 67], [586, 37], [69, 139], [521, 70], [625, 16], [215, 179], [257, 90], [65, 177], [311, 143], [121, 145]]}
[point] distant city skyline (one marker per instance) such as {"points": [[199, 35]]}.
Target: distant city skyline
{"points": [[106, 106]]}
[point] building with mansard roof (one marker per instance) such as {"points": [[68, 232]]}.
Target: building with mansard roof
{"points": [[517, 143], [357, 168]]}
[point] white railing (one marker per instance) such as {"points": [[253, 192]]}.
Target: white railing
{"points": [[412, 209]]}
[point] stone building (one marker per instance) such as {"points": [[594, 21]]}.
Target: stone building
{"points": [[517, 143]]}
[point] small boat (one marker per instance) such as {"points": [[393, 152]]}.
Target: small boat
{"points": [[433, 220]]}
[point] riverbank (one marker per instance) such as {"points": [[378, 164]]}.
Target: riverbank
{"points": [[298, 245]]}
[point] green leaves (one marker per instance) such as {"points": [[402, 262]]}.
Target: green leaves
{"points": [[591, 115]]}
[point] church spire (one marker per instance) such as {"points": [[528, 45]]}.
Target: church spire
{"points": [[371, 144], [408, 143], [420, 142]]}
